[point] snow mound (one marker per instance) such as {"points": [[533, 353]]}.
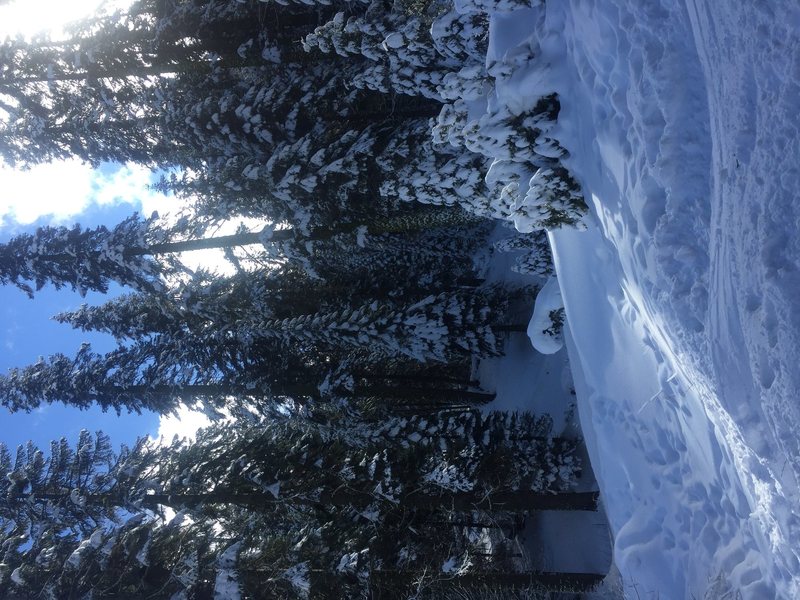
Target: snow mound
{"points": [[544, 328]]}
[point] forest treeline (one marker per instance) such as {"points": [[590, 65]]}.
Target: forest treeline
{"points": [[349, 452]]}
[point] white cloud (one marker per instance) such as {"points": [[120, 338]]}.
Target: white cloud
{"points": [[62, 190], [185, 424], [59, 190], [29, 17]]}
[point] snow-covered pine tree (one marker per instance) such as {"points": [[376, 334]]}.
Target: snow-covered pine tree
{"points": [[251, 112], [519, 137], [57, 105], [535, 259], [345, 273], [434, 327], [187, 84], [73, 490], [340, 466], [415, 169], [461, 36], [470, 447], [228, 553], [89, 259], [209, 373], [400, 55], [101, 93], [401, 264], [160, 374], [431, 329], [82, 259], [554, 199], [307, 496]]}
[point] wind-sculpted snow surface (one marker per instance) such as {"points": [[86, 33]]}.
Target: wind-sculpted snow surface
{"points": [[681, 124]]}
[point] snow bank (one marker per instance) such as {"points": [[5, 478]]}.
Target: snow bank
{"points": [[681, 124]]}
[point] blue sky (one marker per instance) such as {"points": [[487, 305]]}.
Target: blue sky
{"points": [[54, 194], [28, 331], [64, 193]]}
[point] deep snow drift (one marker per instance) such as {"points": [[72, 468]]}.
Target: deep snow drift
{"points": [[681, 120]]}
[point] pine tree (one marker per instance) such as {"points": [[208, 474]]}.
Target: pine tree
{"points": [[143, 376], [553, 200], [207, 373], [74, 490], [415, 169], [348, 269], [431, 329], [82, 259], [140, 557], [401, 54], [308, 496], [178, 83], [342, 468], [89, 259], [521, 137]]}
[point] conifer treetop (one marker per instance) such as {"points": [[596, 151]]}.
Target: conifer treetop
{"points": [[79, 258]]}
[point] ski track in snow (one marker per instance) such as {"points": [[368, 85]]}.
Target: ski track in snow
{"points": [[682, 124]]}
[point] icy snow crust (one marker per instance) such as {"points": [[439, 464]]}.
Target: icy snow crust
{"points": [[682, 301]]}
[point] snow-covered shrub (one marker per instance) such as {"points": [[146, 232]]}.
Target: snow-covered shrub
{"points": [[547, 323], [468, 83], [554, 200], [461, 36], [496, 6], [504, 179], [519, 137], [535, 259], [450, 124], [556, 326]]}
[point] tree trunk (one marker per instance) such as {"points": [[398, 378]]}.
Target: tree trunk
{"points": [[412, 393], [257, 237], [515, 328], [417, 378], [501, 501], [427, 409], [223, 241], [236, 239], [506, 501], [295, 390], [388, 583]]}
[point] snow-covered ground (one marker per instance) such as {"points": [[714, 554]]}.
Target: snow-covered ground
{"points": [[681, 120]]}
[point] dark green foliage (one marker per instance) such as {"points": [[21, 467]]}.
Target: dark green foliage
{"points": [[342, 347], [557, 322], [556, 200], [78, 258]]}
